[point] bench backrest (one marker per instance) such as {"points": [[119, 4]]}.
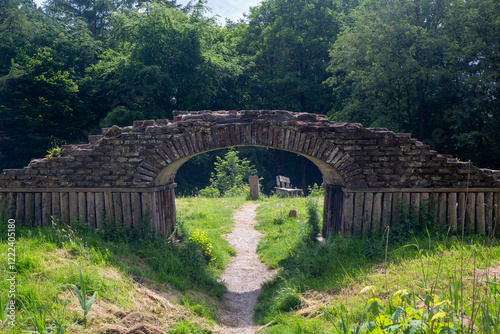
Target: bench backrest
{"points": [[283, 182]]}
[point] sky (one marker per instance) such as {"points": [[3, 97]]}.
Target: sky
{"points": [[226, 9]]}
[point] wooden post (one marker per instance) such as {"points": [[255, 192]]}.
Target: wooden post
{"points": [[46, 208], [348, 214], [254, 187], [82, 208], [387, 210], [367, 213], [377, 212], [434, 206], [73, 206], [3, 205], [56, 206], [496, 219], [127, 212], [333, 209], [170, 203], [396, 207], [462, 207], [415, 205], [11, 205], [38, 209], [91, 209], [20, 207], [480, 214], [358, 213], [30, 209], [117, 206], [489, 208], [108, 208], [136, 209], [100, 209], [452, 212], [442, 209], [471, 213], [65, 208]]}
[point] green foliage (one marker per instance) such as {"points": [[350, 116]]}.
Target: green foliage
{"points": [[81, 294], [185, 327], [282, 234], [423, 283], [313, 220], [315, 190], [287, 300], [287, 43], [230, 176], [213, 217], [201, 239], [54, 152], [412, 66], [406, 313], [413, 221], [210, 192]]}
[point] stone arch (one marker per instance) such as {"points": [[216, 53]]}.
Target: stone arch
{"points": [[128, 173]]}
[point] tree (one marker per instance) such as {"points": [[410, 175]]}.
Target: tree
{"points": [[390, 66], [40, 106], [231, 173], [162, 60], [425, 67], [288, 43], [16, 29]]}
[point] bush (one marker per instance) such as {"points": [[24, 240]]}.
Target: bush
{"points": [[201, 239], [313, 220], [316, 191], [210, 192]]}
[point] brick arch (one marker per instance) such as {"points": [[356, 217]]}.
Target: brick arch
{"points": [[162, 164], [127, 174]]}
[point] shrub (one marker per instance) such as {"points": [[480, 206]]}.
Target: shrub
{"points": [[210, 192], [201, 239], [313, 220], [315, 190]]}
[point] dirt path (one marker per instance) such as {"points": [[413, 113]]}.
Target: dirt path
{"points": [[243, 275]]}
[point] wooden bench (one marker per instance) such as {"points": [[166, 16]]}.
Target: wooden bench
{"points": [[284, 187]]}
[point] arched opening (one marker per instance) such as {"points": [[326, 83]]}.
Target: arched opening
{"points": [[332, 180], [195, 173]]}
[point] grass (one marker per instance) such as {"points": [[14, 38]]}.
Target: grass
{"points": [[214, 217], [282, 234], [345, 285], [128, 272], [319, 286]]}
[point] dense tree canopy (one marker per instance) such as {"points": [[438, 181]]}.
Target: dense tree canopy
{"points": [[429, 67]]}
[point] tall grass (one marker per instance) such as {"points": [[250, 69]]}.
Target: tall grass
{"points": [[401, 282]]}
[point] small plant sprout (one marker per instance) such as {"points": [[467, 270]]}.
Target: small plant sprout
{"points": [[82, 298]]}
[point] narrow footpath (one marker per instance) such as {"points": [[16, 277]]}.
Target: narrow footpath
{"points": [[243, 275]]}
